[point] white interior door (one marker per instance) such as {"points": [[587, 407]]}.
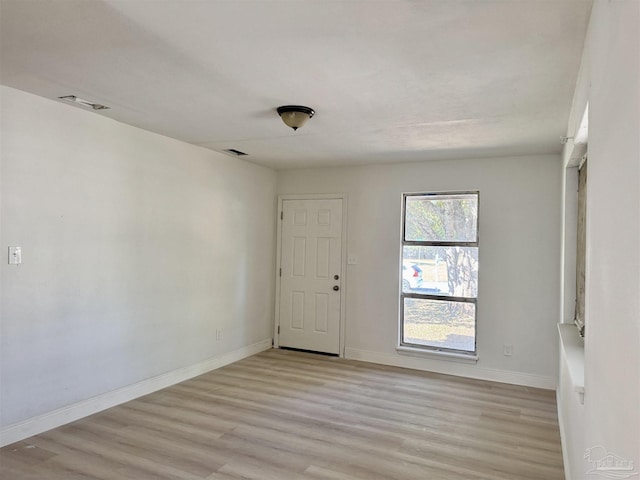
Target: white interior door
{"points": [[311, 283]]}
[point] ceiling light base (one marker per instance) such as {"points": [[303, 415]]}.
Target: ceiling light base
{"points": [[295, 116]]}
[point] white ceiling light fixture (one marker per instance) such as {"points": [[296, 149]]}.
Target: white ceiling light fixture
{"points": [[295, 116], [84, 103]]}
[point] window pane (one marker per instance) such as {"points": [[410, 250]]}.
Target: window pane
{"points": [[581, 256], [440, 270], [442, 218], [439, 323]]}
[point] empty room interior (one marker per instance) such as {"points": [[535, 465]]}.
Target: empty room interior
{"points": [[310, 239]]}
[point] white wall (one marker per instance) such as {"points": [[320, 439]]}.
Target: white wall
{"points": [[136, 249], [570, 404], [612, 342], [519, 256], [610, 82]]}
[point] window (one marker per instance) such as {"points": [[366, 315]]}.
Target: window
{"points": [[581, 247], [439, 271]]}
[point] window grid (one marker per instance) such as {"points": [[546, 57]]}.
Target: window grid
{"points": [[431, 243]]}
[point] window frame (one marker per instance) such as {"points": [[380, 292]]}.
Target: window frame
{"points": [[581, 247], [449, 298]]}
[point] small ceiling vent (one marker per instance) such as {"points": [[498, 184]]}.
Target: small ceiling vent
{"points": [[235, 153], [84, 103]]}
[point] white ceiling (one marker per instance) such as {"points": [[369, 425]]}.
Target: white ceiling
{"points": [[390, 81]]}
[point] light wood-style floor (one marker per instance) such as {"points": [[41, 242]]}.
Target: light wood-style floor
{"points": [[290, 415]]}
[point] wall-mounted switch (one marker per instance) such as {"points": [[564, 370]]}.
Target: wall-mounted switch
{"points": [[507, 350], [352, 259], [15, 255]]}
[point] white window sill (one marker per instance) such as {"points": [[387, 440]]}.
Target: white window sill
{"points": [[439, 354], [573, 353]]}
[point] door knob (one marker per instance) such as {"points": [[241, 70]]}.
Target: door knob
{"points": [[336, 277], [336, 288]]}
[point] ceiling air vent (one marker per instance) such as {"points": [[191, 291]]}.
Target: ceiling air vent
{"points": [[235, 153], [84, 103]]}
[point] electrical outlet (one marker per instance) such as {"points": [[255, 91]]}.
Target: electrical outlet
{"points": [[507, 350], [15, 255], [218, 335]]}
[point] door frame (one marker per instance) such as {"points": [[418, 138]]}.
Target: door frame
{"points": [[343, 260]]}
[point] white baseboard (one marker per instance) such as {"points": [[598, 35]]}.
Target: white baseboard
{"points": [[47, 421], [563, 440], [452, 368]]}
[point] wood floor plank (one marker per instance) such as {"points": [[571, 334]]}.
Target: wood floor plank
{"points": [[292, 415]]}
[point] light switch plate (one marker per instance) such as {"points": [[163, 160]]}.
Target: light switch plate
{"points": [[352, 260], [15, 255]]}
